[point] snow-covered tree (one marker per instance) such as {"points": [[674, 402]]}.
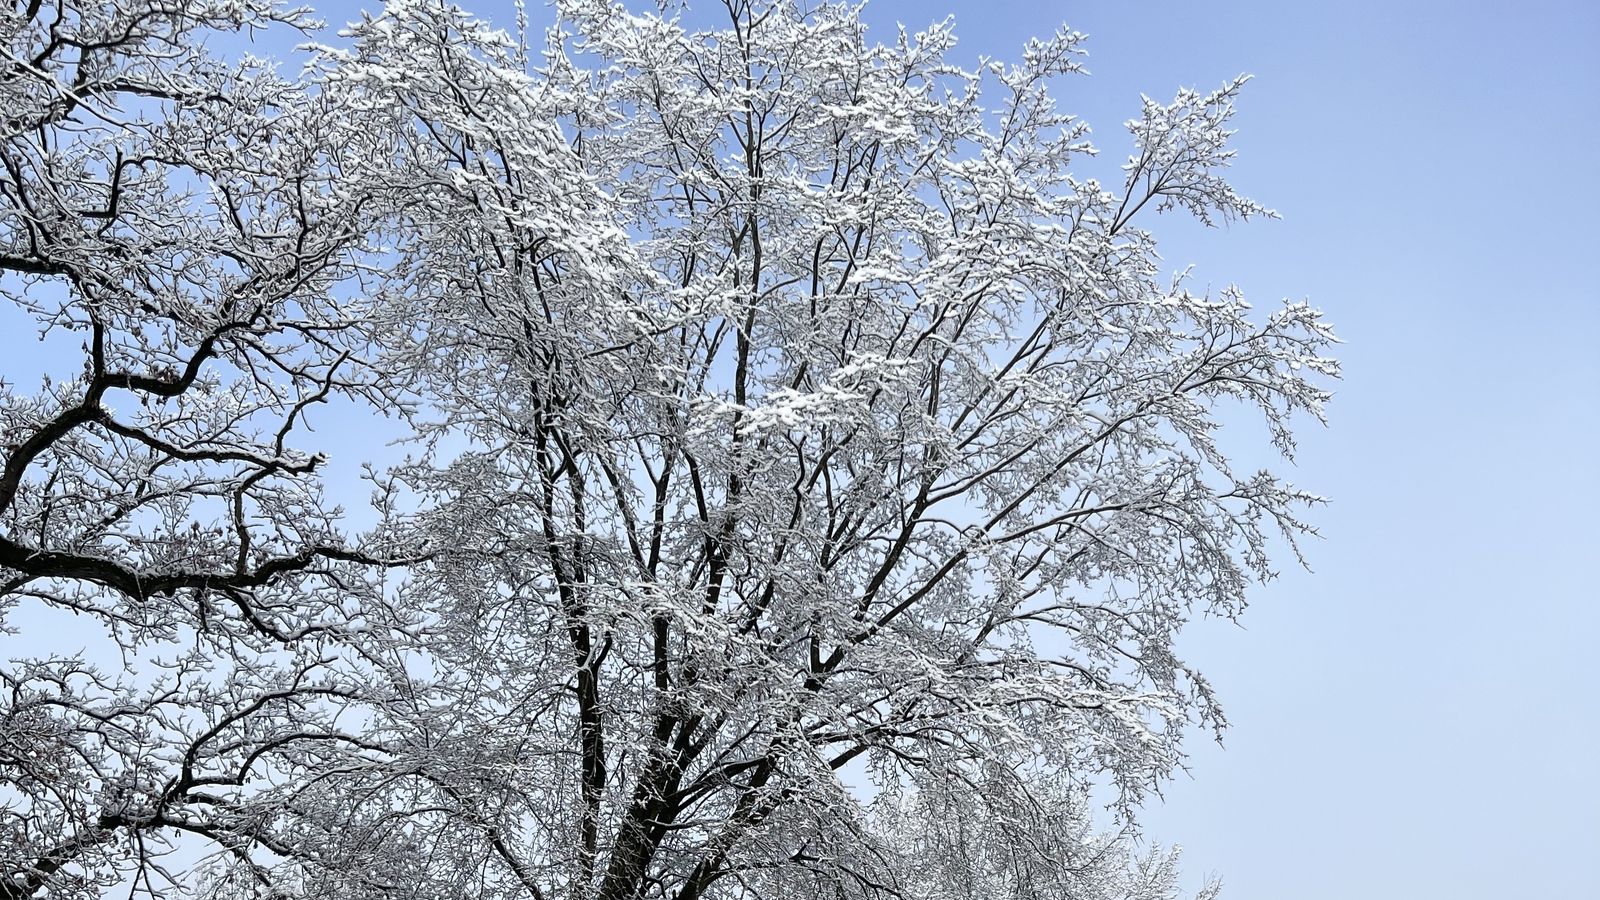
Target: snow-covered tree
{"points": [[814, 471], [187, 228], [828, 442]]}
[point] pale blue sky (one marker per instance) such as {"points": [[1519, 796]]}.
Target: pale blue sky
{"points": [[1417, 719]]}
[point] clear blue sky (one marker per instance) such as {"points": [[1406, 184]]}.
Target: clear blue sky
{"points": [[1419, 718]]}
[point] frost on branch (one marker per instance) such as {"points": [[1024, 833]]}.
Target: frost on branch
{"points": [[813, 471]]}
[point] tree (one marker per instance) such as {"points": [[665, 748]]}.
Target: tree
{"points": [[193, 223], [816, 472]]}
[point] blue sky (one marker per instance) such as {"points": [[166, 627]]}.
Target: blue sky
{"points": [[1419, 717]]}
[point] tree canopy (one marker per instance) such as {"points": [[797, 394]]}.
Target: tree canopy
{"points": [[810, 473]]}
